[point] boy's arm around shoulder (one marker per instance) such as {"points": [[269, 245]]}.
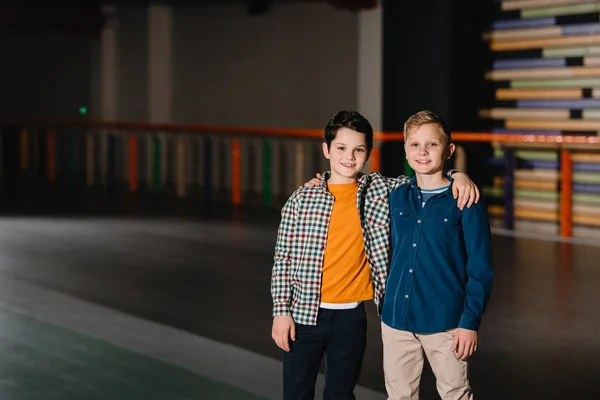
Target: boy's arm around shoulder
{"points": [[480, 273], [280, 277], [388, 183]]}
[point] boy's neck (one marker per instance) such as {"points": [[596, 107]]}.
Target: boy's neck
{"points": [[340, 180], [433, 181]]}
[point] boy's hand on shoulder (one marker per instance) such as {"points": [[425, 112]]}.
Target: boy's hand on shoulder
{"points": [[313, 182], [465, 343], [283, 328], [465, 190]]}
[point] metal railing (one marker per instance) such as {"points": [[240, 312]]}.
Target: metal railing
{"points": [[245, 163]]}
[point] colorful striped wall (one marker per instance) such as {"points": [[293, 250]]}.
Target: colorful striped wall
{"points": [[546, 73]]}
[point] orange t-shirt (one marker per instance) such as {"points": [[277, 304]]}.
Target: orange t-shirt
{"points": [[346, 272]]}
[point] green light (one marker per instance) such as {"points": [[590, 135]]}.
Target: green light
{"points": [[83, 110]]}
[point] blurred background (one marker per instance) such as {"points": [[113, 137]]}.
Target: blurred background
{"points": [[146, 149]]}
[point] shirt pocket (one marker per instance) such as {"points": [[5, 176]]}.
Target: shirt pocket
{"points": [[444, 225], [402, 216]]}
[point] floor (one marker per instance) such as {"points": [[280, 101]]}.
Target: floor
{"points": [[106, 296]]}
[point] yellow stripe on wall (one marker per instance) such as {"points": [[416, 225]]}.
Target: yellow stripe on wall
{"points": [[563, 41], [525, 4], [535, 94], [543, 73], [561, 125]]}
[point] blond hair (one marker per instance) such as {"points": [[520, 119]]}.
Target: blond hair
{"points": [[427, 117]]}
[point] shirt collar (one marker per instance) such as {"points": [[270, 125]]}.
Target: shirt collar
{"points": [[361, 179], [413, 184]]}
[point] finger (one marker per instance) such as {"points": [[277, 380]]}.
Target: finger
{"points": [[293, 333], [471, 198], [454, 344], [466, 195], [283, 343], [319, 175], [461, 197], [278, 342], [466, 351], [455, 191], [461, 350]]}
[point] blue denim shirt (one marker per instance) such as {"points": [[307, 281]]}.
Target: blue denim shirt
{"points": [[441, 270]]}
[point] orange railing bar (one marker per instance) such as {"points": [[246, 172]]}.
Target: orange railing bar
{"points": [[308, 133]]}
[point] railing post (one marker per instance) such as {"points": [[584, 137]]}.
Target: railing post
{"points": [[375, 159], [72, 157], [133, 162], [181, 187], [112, 160], [36, 150], [300, 178], [509, 188], [89, 158], [156, 163], [207, 168], [51, 156], [266, 170], [24, 149], [566, 193], [236, 172]]}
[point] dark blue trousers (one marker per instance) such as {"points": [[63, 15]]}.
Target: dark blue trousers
{"points": [[340, 335]]}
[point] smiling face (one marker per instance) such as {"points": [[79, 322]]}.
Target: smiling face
{"points": [[427, 150], [347, 155]]}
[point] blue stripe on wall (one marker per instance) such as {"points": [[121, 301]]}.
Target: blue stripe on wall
{"points": [[524, 23], [571, 104], [530, 63]]}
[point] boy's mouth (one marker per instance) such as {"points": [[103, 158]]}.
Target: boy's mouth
{"points": [[348, 165], [422, 162]]}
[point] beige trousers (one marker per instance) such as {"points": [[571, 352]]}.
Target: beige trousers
{"points": [[403, 364]]}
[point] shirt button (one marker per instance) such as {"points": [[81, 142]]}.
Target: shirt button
{"points": [[414, 245], [410, 270], [445, 219], [400, 212], [418, 221], [406, 296]]}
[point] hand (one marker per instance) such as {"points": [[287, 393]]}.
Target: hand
{"points": [[465, 343], [465, 190], [314, 181], [283, 328]]}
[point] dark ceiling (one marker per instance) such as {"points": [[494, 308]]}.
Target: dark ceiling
{"points": [[85, 17]]}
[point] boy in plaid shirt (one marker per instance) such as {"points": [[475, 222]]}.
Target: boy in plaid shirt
{"points": [[331, 255]]}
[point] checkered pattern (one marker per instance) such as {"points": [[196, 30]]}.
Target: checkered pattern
{"points": [[302, 236]]}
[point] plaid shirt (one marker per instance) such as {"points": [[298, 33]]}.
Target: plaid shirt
{"points": [[302, 237]]}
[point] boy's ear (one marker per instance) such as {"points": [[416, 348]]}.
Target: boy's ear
{"points": [[325, 150], [450, 151]]}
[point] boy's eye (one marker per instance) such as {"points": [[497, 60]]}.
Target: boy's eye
{"points": [[341, 148], [361, 150], [413, 144], [433, 144]]}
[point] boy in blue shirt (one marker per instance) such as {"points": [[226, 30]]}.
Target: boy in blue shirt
{"points": [[440, 273]]}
